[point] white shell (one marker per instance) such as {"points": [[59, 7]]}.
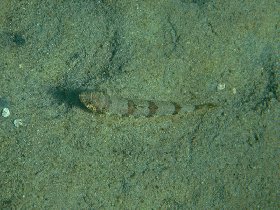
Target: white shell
{"points": [[18, 122], [6, 112]]}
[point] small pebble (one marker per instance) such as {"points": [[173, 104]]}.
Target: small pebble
{"points": [[234, 91], [6, 112], [18, 122], [221, 86]]}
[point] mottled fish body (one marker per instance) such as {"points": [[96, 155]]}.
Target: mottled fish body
{"points": [[102, 103]]}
